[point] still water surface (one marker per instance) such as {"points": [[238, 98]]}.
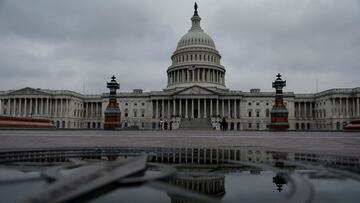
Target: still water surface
{"points": [[232, 181]]}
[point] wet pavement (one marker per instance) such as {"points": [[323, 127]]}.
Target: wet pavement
{"points": [[336, 143]]}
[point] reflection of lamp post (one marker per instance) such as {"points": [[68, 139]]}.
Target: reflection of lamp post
{"points": [[279, 181]]}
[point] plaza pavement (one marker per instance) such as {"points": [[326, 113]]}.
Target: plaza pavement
{"points": [[334, 143]]}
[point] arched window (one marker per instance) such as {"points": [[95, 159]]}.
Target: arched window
{"points": [[267, 112], [126, 113]]}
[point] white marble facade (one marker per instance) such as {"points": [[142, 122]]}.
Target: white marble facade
{"points": [[196, 90]]}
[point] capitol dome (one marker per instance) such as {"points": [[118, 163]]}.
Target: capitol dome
{"points": [[196, 60], [196, 37]]}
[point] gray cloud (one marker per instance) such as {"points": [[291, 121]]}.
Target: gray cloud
{"points": [[66, 44]]}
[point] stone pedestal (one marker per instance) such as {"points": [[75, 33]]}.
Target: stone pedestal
{"points": [[112, 118], [354, 125], [24, 122]]}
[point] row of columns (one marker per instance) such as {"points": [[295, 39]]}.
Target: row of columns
{"points": [[196, 107], [339, 107], [93, 109], [47, 107], [345, 107], [24, 107], [304, 109], [196, 75]]}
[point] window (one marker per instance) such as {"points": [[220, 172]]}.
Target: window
{"points": [[249, 103], [249, 113], [267, 112], [257, 103], [135, 113], [257, 125], [135, 104], [126, 104], [267, 103], [143, 104], [249, 125], [258, 114]]}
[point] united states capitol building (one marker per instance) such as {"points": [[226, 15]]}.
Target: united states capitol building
{"points": [[195, 95]]}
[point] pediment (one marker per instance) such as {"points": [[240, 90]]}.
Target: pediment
{"points": [[28, 91], [195, 90]]}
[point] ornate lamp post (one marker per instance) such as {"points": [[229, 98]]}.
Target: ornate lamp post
{"points": [[279, 113], [112, 112]]}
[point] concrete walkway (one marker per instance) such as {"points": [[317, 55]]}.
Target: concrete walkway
{"points": [[335, 143]]}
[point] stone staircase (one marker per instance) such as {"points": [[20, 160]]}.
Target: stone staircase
{"points": [[195, 124]]}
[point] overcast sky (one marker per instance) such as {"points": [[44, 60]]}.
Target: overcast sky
{"points": [[77, 45]]}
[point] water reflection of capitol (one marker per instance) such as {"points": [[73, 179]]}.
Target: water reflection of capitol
{"points": [[215, 156], [223, 159], [195, 156], [210, 185]]}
